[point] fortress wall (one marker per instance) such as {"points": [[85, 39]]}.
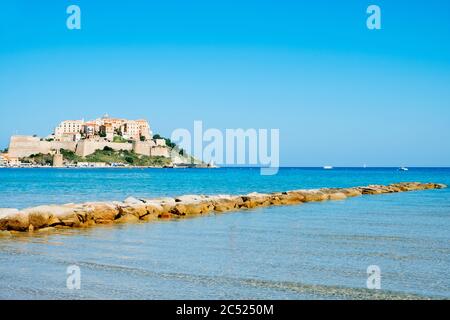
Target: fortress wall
{"points": [[142, 148], [159, 151], [152, 148], [25, 146], [85, 148], [67, 145]]}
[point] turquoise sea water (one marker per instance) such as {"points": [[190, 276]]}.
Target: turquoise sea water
{"points": [[309, 251]]}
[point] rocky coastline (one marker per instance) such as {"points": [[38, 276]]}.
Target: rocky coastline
{"points": [[54, 217]]}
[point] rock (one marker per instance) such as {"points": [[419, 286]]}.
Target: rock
{"points": [[351, 192], [39, 216], [314, 195], [4, 216], [4, 212], [53, 221], [225, 203], [179, 210], [138, 210], [47, 218], [371, 190], [13, 219], [275, 198], [150, 217], [127, 219], [50, 216], [165, 203], [69, 215], [73, 221], [190, 198], [165, 215], [192, 208], [101, 212], [291, 197], [337, 196], [154, 208], [18, 222], [254, 200], [132, 200]]}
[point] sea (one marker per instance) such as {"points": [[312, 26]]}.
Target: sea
{"points": [[326, 250]]}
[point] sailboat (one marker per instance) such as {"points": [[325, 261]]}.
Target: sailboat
{"points": [[403, 169], [328, 167]]}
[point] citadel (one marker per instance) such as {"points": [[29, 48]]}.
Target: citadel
{"points": [[85, 137]]}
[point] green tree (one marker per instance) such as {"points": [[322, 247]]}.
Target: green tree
{"points": [[129, 159]]}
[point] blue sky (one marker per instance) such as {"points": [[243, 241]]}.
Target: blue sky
{"points": [[339, 93]]}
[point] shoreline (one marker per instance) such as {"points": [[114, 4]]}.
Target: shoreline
{"points": [[112, 167], [53, 217]]}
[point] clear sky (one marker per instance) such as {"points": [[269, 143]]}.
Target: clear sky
{"points": [[339, 93]]}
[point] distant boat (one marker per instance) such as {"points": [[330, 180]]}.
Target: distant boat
{"points": [[328, 167], [403, 169]]}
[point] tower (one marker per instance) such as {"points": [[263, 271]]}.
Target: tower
{"points": [[58, 159]]}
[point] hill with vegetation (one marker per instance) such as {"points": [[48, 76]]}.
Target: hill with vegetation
{"points": [[107, 155]]}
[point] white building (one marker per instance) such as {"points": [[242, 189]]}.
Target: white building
{"points": [[70, 130], [67, 129]]}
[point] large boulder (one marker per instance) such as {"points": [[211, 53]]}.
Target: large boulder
{"points": [[137, 209], [13, 219], [192, 208], [254, 200], [5, 213], [101, 212], [314, 195], [337, 196], [127, 219], [351, 192], [291, 197], [154, 208], [40, 216], [73, 215], [50, 216], [223, 203], [373, 189], [275, 198], [165, 203]]}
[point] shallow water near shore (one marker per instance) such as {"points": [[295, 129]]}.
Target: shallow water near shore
{"points": [[309, 251]]}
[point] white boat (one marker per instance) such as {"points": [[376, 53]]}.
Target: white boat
{"points": [[403, 169], [328, 167]]}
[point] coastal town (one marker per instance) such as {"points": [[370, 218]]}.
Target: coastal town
{"points": [[102, 142]]}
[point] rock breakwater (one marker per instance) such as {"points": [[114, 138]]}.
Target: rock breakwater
{"points": [[51, 217]]}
